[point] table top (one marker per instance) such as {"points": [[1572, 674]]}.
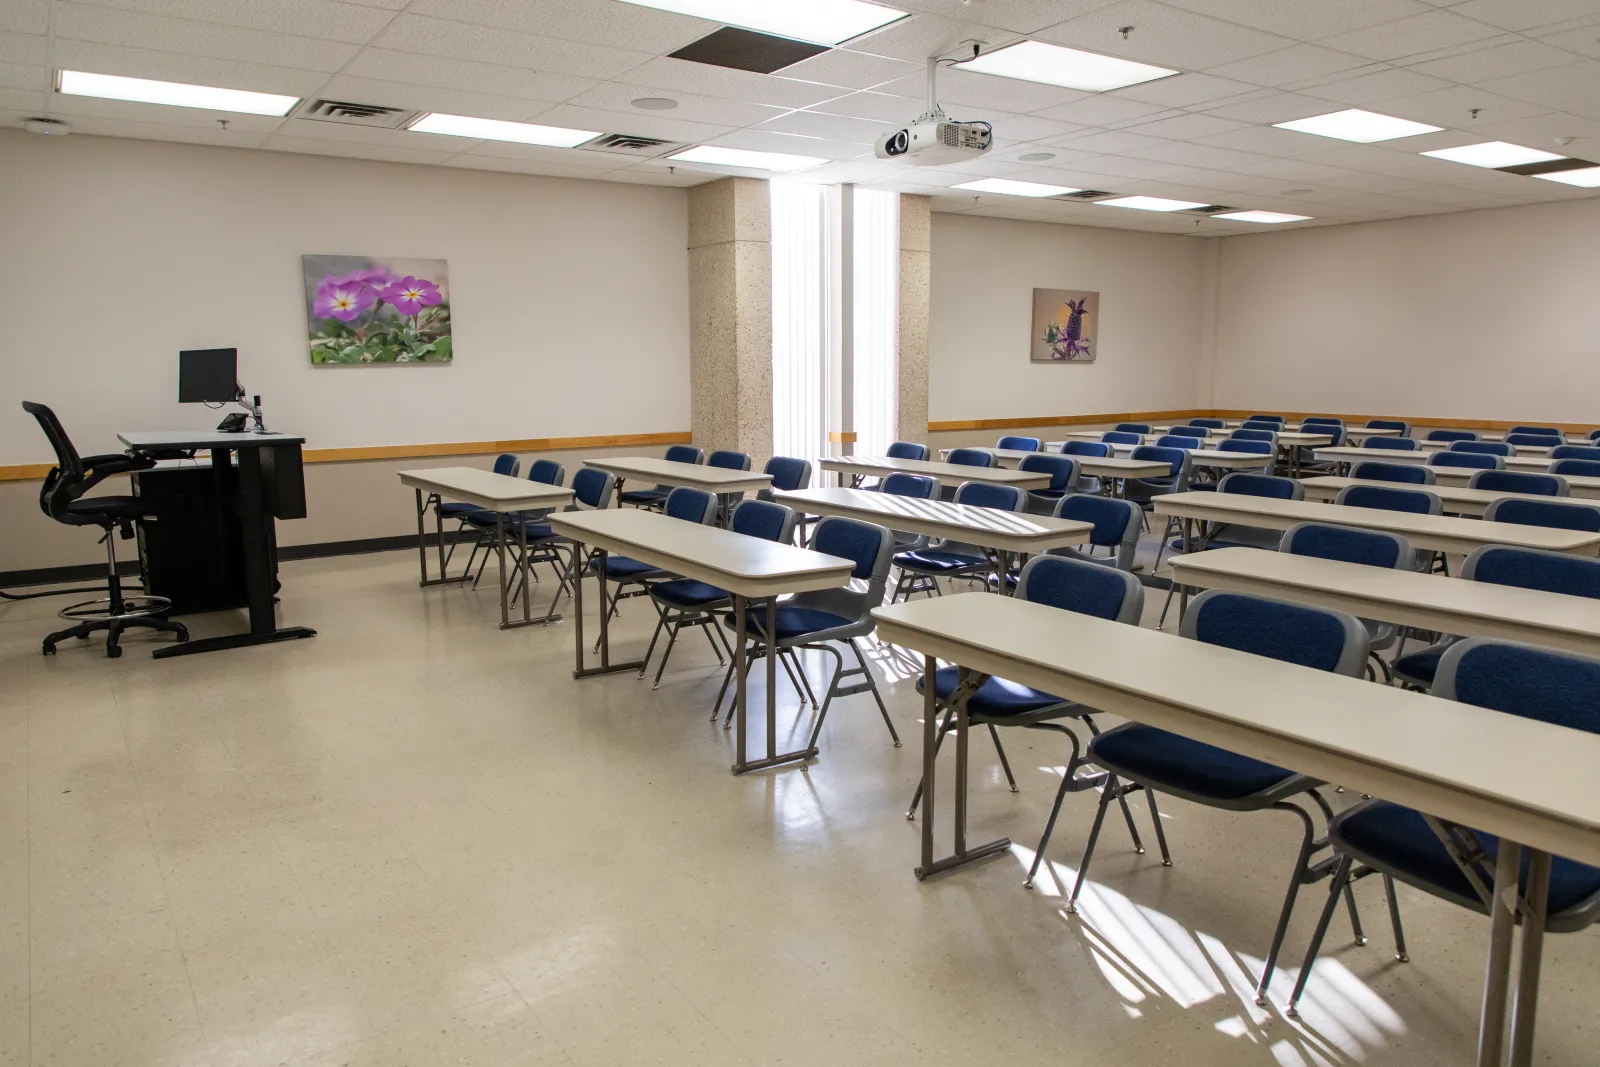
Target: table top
{"points": [[1527, 781], [1410, 598], [672, 472], [486, 489], [739, 563], [1581, 485], [1009, 531], [1443, 533], [1347, 454], [1118, 466], [1210, 457], [944, 473], [1444, 446], [1455, 498], [145, 439]]}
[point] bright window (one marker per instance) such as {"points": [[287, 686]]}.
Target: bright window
{"points": [[876, 381]]}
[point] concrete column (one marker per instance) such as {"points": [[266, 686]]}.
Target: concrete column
{"points": [[730, 317], [916, 279]]}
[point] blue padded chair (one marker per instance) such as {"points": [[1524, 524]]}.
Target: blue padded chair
{"points": [[1139, 757], [1259, 448], [1094, 450], [1451, 435], [1218, 424], [1586, 468], [1200, 432], [1063, 472], [917, 487], [1122, 437], [1403, 843], [1520, 482], [1178, 440], [907, 450], [1575, 452], [970, 457], [1392, 472], [1390, 424], [1278, 419], [1539, 431], [1414, 501], [657, 497], [1239, 483], [1320, 420], [690, 505], [1557, 515], [1306, 455], [733, 461], [1466, 459], [788, 475], [684, 602], [1262, 424], [1070, 585], [1021, 444], [1134, 427], [1371, 548], [1397, 444], [1526, 568], [544, 471], [824, 618], [592, 490], [1181, 467], [504, 464], [1484, 448], [1116, 528], [1247, 433], [921, 568], [1534, 440], [1593, 435]]}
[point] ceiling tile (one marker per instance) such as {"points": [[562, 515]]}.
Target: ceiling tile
{"points": [[26, 76], [604, 22], [593, 162], [1409, 36], [1377, 183], [815, 124], [1129, 167], [1187, 89], [1453, 107], [878, 107], [1165, 35], [386, 65], [1280, 107], [431, 98], [682, 75], [210, 134], [618, 96], [1297, 170], [1266, 141], [1103, 111], [1303, 20], [1296, 63], [1366, 157], [1584, 40], [328, 20], [27, 48], [643, 123], [1574, 87], [1187, 127], [767, 141], [1198, 155], [1116, 141], [1019, 16], [854, 70], [30, 101], [1383, 85], [1031, 127], [115, 111], [103, 25], [1499, 61], [964, 88], [916, 38], [311, 129], [198, 70], [1541, 130], [25, 16], [458, 40], [1524, 14]]}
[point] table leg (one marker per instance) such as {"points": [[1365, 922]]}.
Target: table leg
{"points": [[525, 574], [1183, 590], [422, 542], [500, 551], [930, 740], [577, 605], [1526, 1006], [962, 855], [606, 666], [769, 626], [1497, 980], [422, 537]]}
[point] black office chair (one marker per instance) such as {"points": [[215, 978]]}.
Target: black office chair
{"points": [[68, 480]]}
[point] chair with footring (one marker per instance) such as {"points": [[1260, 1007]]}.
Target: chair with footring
{"points": [[823, 619], [1399, 843], [921, 569], [1278, 419], [1090, 450], [1526, 568], [1116, 529], [1470, 460], [1063, 472], [61, 497], [1020, 444], [1258, 448], [482, 520], [1306, 455], [1584, 468], [682, 602], [1180, 467], [1451, 435], [657, 496], [1178, 440], [1071, 585], [970, 457], [1392, 472], [1371, 548], [690, 505], [1520, 482], [1263, 425], [1139, 757]]}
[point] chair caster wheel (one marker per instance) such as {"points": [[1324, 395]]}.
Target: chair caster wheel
{"points": [[183, 636], [1166, 863], [113, 652], [83, 637], [1138, 852], [49, 649], [1401, 957]]}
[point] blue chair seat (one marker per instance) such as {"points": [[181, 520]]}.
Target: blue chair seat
{"points": [[688, 593], [1161, 759], [1400, 839], [936, 560], [483, 519], [619, 567], [995, 698], [1421, 666], [644, 496], [792, 622], [456, 509]]}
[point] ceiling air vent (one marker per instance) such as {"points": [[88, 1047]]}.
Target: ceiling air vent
{"points": [[388, 118], [1083, 194], [629, 144], [1209, 209]]}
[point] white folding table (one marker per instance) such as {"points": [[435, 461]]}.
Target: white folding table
{"points": [[671, 472], [859, 467]]}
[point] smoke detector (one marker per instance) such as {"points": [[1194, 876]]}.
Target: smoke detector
{"points": [[46, 127]]}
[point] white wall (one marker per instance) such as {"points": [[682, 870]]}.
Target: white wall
{"points": [[569, 298], [1472, 315], [1152, 289]]}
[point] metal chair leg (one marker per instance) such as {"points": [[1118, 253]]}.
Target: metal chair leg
{"points": [[666, 653], [1400, 953], [805, 682], [1161, 834], [872, 684], [1088, 848], [707, 627], [1341, 883], [945, 726], [650, 650], [1000, 751], [1307, 843]]}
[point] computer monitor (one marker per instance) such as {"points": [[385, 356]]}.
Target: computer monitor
{"points": [[208, 376]]}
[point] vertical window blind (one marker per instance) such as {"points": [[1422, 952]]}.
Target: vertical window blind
{"points": [[875, 381], [804, 223]]}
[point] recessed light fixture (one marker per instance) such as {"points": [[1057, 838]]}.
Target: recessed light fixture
{"points": [[1363, 127], [1037, 157], [1584, 178], [1268, 217], [655, 103], [821, 21], [1052, 64], [716, 156], [1297, 192], [1493, 154], [1150, 203], [1011, 188], [177, 94], [499, 130]]}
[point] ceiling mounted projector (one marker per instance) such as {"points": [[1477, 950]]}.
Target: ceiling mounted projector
{"points": [[935, 139]]}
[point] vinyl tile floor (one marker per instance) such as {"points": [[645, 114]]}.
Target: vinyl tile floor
{"points": [[416, 840]]}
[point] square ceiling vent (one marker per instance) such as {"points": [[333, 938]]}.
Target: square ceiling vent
{"points": [[629, 144], [350, 114]]}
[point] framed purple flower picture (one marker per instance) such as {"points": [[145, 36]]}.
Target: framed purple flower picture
{"points": [[1065, 325], [360, 309]]}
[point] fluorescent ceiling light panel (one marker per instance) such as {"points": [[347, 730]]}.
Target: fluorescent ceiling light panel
{"points": [[1363, 127], [1586, 178], [1011, 188], [1493, 154], [1150, 203], [716, 156], [1269, 217], [1037, 61], [177, 94], [498, 130], [820, 21]]}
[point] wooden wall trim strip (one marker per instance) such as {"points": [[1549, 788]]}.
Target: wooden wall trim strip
{"points": [[33, 472], [1239, 413], [1061, 420]]}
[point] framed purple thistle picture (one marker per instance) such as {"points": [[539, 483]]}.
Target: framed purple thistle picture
{"points": [[363, 309], [1066, 323]]}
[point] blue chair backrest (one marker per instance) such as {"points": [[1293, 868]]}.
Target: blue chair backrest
{"points": [[1520, 482], [1372, 548], [593, 488], [1415, 501], [1063, 471], [1122, 437], [1589, 468], [1321, 420], [1485, 448], [863, 544], [1085, 448], [919, 486], [1083, 587], [1558, 516], [1524, 680], [683, 454], [1532, 568], [1392, 472], [1575, 452], [1534, 440], [1218, 424], [1390, 424], [1244, 483], [970, 457], [1452, 435], [507, 464], [907, 450], [691, 505], [1189, 431], [1112, 518], [1260, 448], [1466, 459], [1176, 457], [1278, 419], [1594, 435], [547, 472], [1319, 638], [1134, 427], [1542, 431], [1259, 424], [1021, 444], [1177, 440], [1399, 444], [789, 473], [733, 461], [764, 519], [1247, 434], [989, 495]]}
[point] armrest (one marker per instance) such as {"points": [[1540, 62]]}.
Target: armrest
{"points": [[98, 468]]}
